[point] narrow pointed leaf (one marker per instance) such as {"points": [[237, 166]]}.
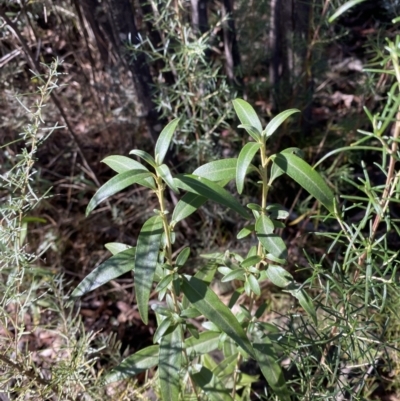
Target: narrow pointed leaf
{"points": [[218, 170], [245, 231], [246, 114], [164, 172], [276, 171], [117, 247], [209, 304], [279, 276], [120, 164], [147, 249], [306, 303], [271, 242], [306, 177], [145, 156], [118, 183], [210, 190], [270, 368], [169, 364], [251, 131], [245, 157], [112, 268], [164, 140], [274, 124], [134, 364], [343, 8]]}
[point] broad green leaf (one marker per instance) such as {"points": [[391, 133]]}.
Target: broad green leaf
{"points": [[253, 283], [206, 273], [251, 131], [275, 123], [210, 190], [271, 242], [209, 304], [245, 157], [146, 258], [134, 364], [246, 114], [245, 231], [148, 357], [270, 368], [279, 276], [343, 8], [306, 303], [251, 261], [306, 177], [276, 171], [210, 385], [237, 274], [218, 170], [118, 183], [120, 164], [164, 140], [162, 328], [169, 364], [164, 172], [207, 342], [145, 156], [187, 205], [112, 268], [182, 257], [117, 247]]}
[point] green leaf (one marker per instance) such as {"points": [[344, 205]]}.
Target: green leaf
{"points": [[112, 268], [279, 276], [210, 190], [120, 164], [245, 231], [145, 156], [251, 131], [118, 183], [270, 368], [164, 140], [343, 8], [253, 283], [245, 157], [237, 274], [207, 342], [218, 170], [275, 123], [222, 172], [187, 205], [137, 363], [271, 242], [162, 329], [209, 304], [277, 171], [169, 364], [164, 172], [246, 114], [306, 177], [251, 261], [183, 256], [147, 249], [306, 303], [210, 385], [116, 247]]}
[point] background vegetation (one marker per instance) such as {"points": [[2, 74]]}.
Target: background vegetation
{"points": [[83, 80]]}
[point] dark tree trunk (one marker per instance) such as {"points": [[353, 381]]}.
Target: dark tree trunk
{"points": [[232, 54], [288, 40], [199, 15]]}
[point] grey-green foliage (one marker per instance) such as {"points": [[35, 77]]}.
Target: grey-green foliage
{"points": [[182, 296], [33, 302], [199, 93]]}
